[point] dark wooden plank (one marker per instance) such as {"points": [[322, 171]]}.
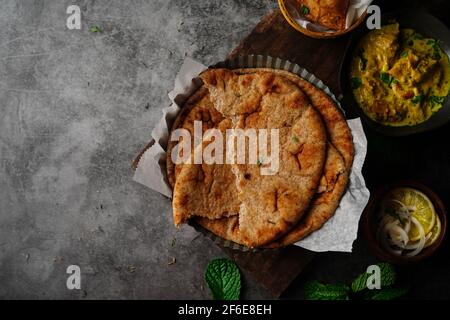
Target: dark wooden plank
{"points": [[275, 270], [275, 37]]}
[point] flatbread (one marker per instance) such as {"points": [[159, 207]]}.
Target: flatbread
{"points": [[332, 186], [336, 173], [272, 204], [338, 164], [338, 130], [197, 108], [205, 190], [201, 190]]}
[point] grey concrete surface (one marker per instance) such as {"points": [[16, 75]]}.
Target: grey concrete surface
{"points": [[75, 108]]}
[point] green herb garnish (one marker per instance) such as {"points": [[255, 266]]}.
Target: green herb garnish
{"points": [[355, 83], [295, 139], [418, 36], [318, 291], [387, 79], [418, 99], [404, 54], [304, 10], [437, 55], [95, 29], [436, 100], [436, 49], [224, 279], [259, 163], [387, 278]]}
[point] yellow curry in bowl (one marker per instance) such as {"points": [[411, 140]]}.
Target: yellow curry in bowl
{"points": [[399, 77]]}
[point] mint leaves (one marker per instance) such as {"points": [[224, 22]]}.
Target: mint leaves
{"points": [[224, 279], [436, 48], [304, 10], [387, 294], [387, 278], [418, 99], [436, 100], [355, 82], [358, 290], [387, 79], [95, 29], [318, 291]]}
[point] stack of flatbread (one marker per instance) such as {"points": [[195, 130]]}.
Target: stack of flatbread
{"points": [[235, 201]]}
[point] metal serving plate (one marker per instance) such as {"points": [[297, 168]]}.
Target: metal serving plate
{"points": [[426, 25]]}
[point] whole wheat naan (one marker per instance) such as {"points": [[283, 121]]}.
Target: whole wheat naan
{"points": [[336, 172], [270, 205], [197, 108], [338, 165], [322, 208], [200, 190]]}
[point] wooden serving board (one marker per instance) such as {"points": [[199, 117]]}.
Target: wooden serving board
{"points": [[385, 161], [275, 270], [275, 37]]}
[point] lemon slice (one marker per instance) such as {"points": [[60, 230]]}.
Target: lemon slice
{"points": [[420, 207], [435, 232]]}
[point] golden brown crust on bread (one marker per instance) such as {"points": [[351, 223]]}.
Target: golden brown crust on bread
{"points": [[197, 107], [205, 190], [324, 204], [332, 183], [337, 128], [339, 134], [336, 173], [273, 204]]}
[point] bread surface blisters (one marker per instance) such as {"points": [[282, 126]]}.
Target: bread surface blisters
{"points": [[238, 203]]}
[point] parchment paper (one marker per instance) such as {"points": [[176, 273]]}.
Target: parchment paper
{"points": [[337, 234]]}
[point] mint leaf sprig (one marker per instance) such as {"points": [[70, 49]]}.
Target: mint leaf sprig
{"points": [[224, 279], [305, 10], [358, 289], [388, 277], [318, 291], [95, 29]]}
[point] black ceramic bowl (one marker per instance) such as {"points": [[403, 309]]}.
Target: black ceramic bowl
{"points": [[369, 223], [426, 25]]}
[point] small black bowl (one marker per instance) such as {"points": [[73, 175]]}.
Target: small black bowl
{"points": [[426, 25], [369, 223]]}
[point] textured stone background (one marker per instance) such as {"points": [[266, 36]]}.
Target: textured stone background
{"points": [[75, 108]]}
